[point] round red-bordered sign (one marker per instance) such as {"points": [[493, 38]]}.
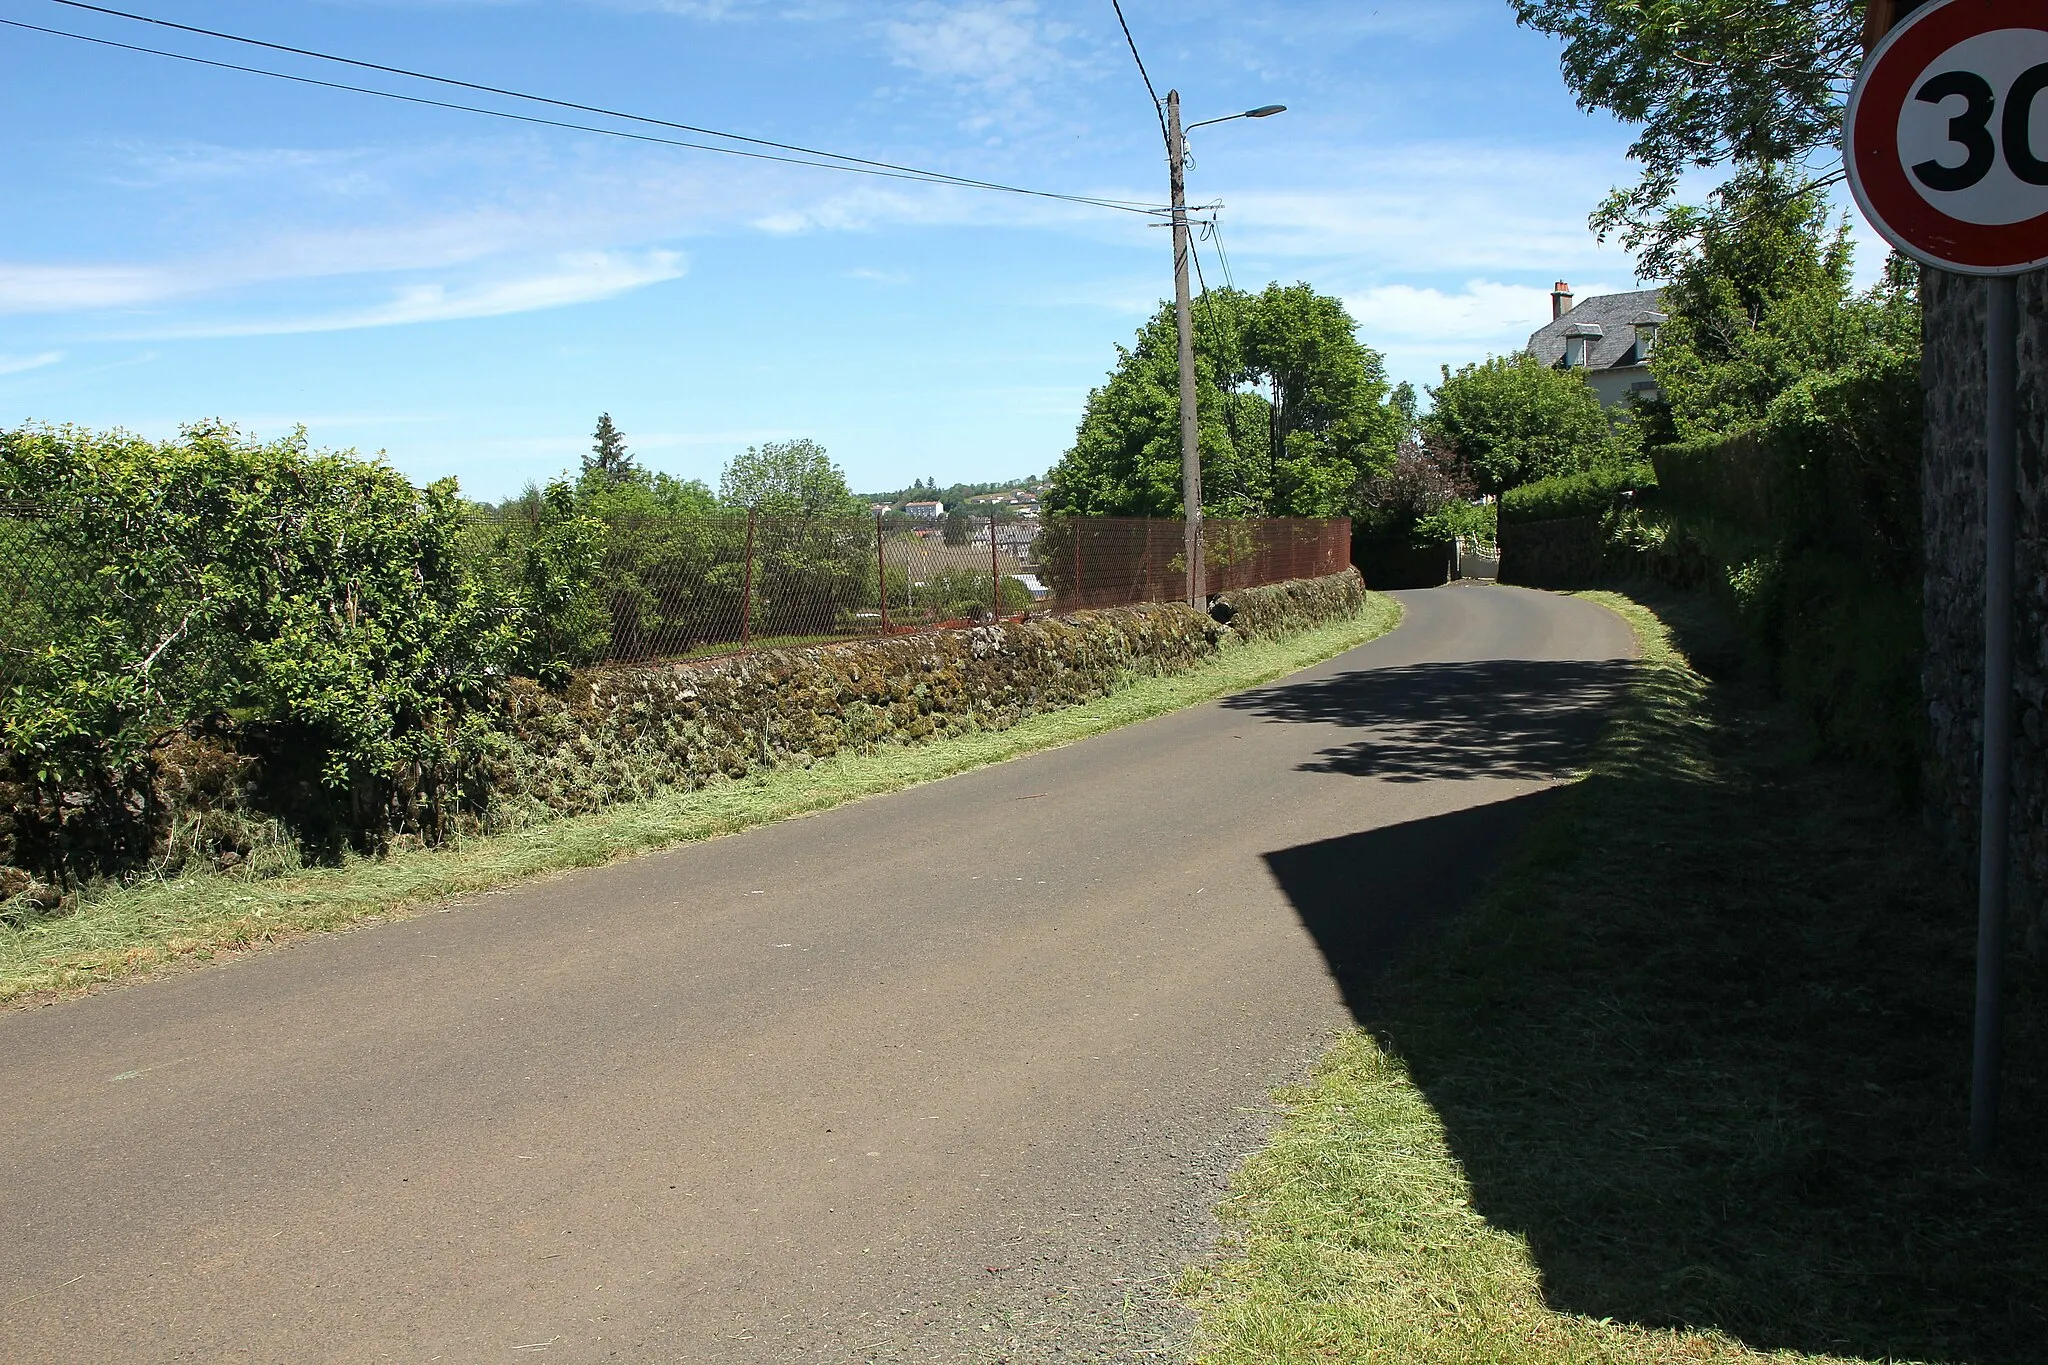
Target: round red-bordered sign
{"points": [[1938, 88]]}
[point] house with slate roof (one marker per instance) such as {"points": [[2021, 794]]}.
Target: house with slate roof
{"points": [[1609, 337]]}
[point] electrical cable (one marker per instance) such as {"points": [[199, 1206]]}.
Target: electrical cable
{"points": [[537, 99], [1158, 109], [838, 161], [1228, 329], [1229, 276], [1216, 235]]}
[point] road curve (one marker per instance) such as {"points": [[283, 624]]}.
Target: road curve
{"points": [[952, 1074]]}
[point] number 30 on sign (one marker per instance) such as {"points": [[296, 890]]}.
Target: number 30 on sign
{"points": [[1947, 136]]}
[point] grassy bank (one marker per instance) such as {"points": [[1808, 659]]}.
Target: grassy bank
{"points": [[1687, 1084], [153, 925]]}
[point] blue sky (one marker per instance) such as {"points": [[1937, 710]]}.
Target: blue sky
{"points": [[467, 294]]}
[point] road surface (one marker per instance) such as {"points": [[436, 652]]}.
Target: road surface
{"points": [[952, 1074]]}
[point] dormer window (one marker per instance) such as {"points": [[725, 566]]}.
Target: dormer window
{"points": [[1578, 344], [1646, 326]]}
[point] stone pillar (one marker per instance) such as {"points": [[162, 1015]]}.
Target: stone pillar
{"points": [[1952, 515]]}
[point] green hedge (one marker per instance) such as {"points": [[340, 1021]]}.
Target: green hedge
{"points": [[1590, 494], [1733, 480]]}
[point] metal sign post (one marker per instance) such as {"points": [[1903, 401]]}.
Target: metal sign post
{"points": [[1994, 860], [1942, 159]]}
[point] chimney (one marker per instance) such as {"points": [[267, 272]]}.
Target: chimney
{"points": [[1560, 300]]}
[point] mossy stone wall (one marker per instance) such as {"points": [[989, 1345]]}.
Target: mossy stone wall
{"points": [[617, 734]]}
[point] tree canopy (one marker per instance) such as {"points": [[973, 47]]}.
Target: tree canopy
{"points": [[787, 478], [1764, 301], [608, 457], [1291, 406], [1711, 82], [1512, 420], [311, 591]]}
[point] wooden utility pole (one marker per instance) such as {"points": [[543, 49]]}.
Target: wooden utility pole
{"points": [[1190, 429]]}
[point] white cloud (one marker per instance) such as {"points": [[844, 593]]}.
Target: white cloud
{"points": [[1485, 314], [718, 11], [29, 288], [992, 43], [577, 277], [1420, 20], [21, 365], [1435, 209], [10, 364]]}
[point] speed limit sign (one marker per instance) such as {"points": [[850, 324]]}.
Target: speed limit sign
{"points": [[1947, 146]]}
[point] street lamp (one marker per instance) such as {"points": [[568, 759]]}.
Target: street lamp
{"points": [[1263, 111], [1190, 430]]}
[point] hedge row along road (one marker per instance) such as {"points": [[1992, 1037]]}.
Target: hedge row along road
{"points": [[951, 1074]]}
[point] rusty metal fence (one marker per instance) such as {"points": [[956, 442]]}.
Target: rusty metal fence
{"points": [[704, 585], [694, 586], [1119, 561]]}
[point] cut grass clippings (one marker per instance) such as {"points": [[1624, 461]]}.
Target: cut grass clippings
{"points": [[152, 925], [1688, 1082]]}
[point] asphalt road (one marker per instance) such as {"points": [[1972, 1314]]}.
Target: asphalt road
{"points": [[953, 1074]]}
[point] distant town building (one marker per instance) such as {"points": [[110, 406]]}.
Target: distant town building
{"points": [[1013, 538], [1609, 337], [930, 510]]}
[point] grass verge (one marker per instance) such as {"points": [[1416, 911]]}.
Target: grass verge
{"points": [[1687, 1083], [150, 926]]}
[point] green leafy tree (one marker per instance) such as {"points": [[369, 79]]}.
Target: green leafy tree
{"points": [[807, 574], [1404, 401], [1329, 427], [553, 566], [608, 458], [956, 593], [955, 532], [314, 593], [787, 478], [1125, 460], [1512, 420], [1710, 82], [1762, 301], [1292, 417]]}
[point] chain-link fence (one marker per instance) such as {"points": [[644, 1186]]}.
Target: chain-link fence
{"points": [[42, 582], [1117, 561], [691, 586]]}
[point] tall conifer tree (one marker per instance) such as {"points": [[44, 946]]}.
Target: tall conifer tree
{"points": [[608, 456]]}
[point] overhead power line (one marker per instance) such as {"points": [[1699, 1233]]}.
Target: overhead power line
{"points": [[1216, 235], [1144, 75], [834, 161]]}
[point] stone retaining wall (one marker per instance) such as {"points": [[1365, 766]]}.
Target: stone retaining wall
{"points": [[622, 733], [1952, 512]]}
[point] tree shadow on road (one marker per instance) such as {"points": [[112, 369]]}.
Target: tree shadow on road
{"points": [[1506, 718], [1704, 1043]]}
